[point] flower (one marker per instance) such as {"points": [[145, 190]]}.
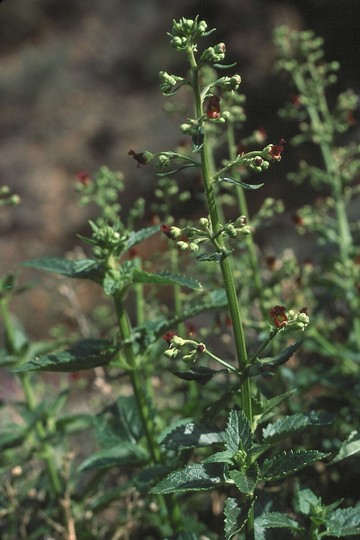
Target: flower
{"points": [[168, 336], [278, 315], [142, 158], [83, 177], [275, 150], [213, 107], [170, 231]]}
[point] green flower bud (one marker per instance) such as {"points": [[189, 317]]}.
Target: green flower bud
{"points": [[183, 245], [204, 222]]}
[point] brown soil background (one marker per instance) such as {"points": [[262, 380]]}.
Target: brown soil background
{"points": [[79, 88]]}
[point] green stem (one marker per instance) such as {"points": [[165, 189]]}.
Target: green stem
{"points": [[226, 271], [31, 402], [143, 405], [243, 207]]}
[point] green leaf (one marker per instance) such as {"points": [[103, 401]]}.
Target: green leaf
{"points": [[12, 435], [197, 477], [288, 463], [344, 522], [236, 515], [246, 480], [240, 183], [276, 520], [238, 434], [86, 354], [306, 500], [165, 278], [80, 268], [287, 426], [221, 457], [192, 434], [281, 358], [123, 454], [349, 448], [148, 477], [139, 236], [265, 409], [200, 374]]}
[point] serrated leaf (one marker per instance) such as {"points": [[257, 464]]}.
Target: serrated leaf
{"points": [[86, 354], [245, 480], [236, 515], [165, 278], [199, 374], [238, 434], [276, 520], [220, 457], [287, 426], [79, 269], [349, 448], [305, 500], [192, 434], [214, 257], [139, 236], [123, 454], [197, 477], [148, 477], [288, 463], [344, 522], [244, 185]]}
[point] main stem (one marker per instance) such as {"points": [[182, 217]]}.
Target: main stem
{"points": [[226, 271]]}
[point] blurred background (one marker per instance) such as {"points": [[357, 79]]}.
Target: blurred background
{"points": [[79, 88]]}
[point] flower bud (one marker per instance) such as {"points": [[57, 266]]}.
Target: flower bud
{"points": [[204, 222], [183, 245]]}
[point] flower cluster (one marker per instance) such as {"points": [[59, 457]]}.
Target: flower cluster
{"points": [[185, 32], [282, 318], [186, 349]]}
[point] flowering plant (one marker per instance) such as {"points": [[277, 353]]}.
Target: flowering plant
{"points": [[219, 435]]}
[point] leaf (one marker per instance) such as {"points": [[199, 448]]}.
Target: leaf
{"points": [[281, 358], [139, 236], [288, 463], [216, 256], [86, 354], [236, 515], [287, 426], [79, 268], [266, 408], [148, 477], [12, 435], [240, 183], [344, 522], [238, 434], [349, 448], [192, 434], [306, 500], [165, 278], [276, 520], [220, 457], [123, 454], [200, 374], [197, 477], [245, 480]]}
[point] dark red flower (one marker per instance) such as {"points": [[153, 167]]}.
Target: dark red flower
{"points": [[271, 262], [298, 220], [276, 150], [213, 107], [83, 177], [200, 348], [168, 336], [277, 313], [304, 310], [142, 158], [166, 229]]}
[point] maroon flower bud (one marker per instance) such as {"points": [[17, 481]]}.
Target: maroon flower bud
{"points": [[142, 158], [165, 229], [200, 348], [271, 262], [83, 177], [213, 107], [304, 310], [168, 336]]}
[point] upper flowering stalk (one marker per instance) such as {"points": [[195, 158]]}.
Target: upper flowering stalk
{"points": [[186, 32]]}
